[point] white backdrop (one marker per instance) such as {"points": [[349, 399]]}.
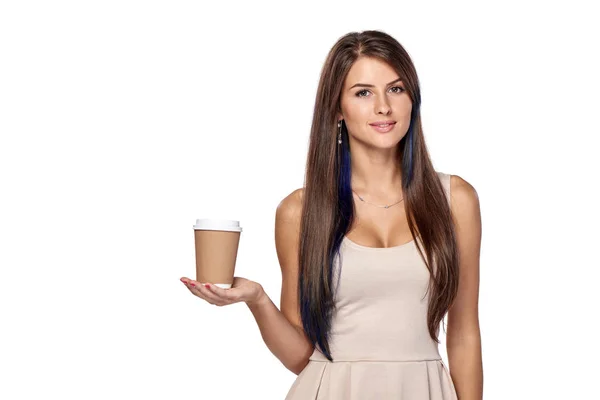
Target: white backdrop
{"points": [[123, 121]]}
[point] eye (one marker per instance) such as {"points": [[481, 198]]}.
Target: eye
{"points": [[401, 89]]}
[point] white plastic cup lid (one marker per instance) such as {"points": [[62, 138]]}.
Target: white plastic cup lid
{"points": [[218, 225]]}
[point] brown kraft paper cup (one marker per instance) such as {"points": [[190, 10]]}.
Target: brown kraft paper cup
{"points": [[216, 247]]}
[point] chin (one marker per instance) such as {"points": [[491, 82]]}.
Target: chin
{"points": [[381, 140], [389, 141]]}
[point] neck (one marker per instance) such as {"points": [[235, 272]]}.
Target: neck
{"points": [[377, 177]]}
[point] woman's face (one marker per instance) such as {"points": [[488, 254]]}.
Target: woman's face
{"points": [[372, 93]]}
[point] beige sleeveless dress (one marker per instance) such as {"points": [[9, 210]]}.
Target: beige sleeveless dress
{"points": [[379, 341]]}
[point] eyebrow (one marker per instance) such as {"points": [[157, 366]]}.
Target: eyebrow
{"points": [[368, 85]]}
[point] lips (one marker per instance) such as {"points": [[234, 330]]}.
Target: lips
{"points": [[383, 127], [383, 123]]}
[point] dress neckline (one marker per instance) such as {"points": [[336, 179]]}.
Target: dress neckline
{"points": [[368, 248]]}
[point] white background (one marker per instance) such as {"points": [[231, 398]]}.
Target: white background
{"points": [[123, 121]]}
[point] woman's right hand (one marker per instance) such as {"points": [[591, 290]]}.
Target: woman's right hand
{"points": [[242, 289]]}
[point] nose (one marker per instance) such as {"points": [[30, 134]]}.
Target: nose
{"points": [[382, 106]]}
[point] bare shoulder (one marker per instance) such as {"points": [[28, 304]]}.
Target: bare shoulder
{"points": [[290, 208], [466, 211], [463, 194], [288, 218]]}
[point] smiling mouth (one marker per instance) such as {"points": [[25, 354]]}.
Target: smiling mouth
{"points": [[383, 128]]}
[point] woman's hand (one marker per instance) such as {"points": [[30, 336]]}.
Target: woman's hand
{"points": [[242, 289]]}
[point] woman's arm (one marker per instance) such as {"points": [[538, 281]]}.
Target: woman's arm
{"points": [[284, 340], [463, 338], [282, 330]]}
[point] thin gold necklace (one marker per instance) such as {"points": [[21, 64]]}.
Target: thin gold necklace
{"points": [[376, 205]]}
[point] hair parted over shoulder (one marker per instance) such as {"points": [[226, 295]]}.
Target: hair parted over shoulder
{"points": [[328, 208]]}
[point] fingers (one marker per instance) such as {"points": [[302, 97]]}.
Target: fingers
{"points": [[201, 291], [228, 295]]}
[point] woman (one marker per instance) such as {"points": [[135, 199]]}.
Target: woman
{"points": [[376, 247]]}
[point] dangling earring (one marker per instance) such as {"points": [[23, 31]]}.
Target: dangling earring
{"points": [[339, 132]]}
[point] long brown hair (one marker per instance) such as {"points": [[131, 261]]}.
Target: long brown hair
{"points": [[328, 207]]}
